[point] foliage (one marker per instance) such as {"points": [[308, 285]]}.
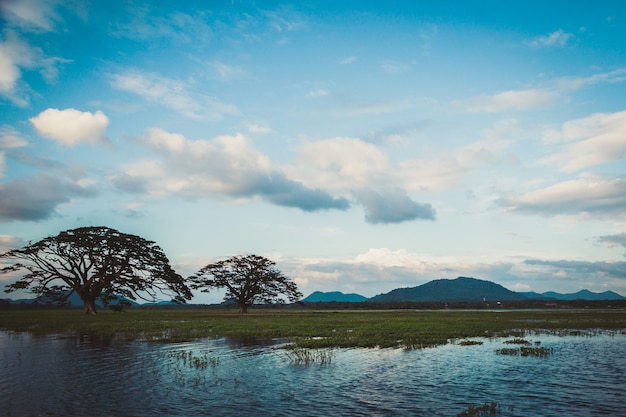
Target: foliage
{"points": [[248, 280], [96, 263]]}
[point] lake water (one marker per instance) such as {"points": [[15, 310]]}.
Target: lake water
{"points": [[80, 376]]}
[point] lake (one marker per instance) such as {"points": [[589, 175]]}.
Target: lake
{"points": [[82, 376]]}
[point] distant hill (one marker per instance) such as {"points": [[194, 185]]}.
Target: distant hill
{"points": [[74, 301], [325, 297], [459, 289], [580, 295]]}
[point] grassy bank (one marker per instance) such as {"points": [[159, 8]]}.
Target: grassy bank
{"points": [[408, 329]]}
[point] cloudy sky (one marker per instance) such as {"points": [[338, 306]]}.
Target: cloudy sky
{"points": [[362, 146]]}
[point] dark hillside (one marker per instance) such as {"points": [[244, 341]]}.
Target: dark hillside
{"points": [[459, 289]]}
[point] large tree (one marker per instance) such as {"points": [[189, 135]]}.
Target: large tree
{"points": [[95, 263], [248, 280]]}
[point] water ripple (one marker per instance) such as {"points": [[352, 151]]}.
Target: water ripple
{"points": [[42, 376]]}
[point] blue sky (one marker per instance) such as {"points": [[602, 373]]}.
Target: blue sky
{"points": [[362, 146]]}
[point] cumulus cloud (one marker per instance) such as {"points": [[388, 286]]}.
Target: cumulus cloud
{"points": [[557, 38], [586, 195], [175, 94], [509, 100], [339, 163], [71, 127], [392, 206], [36, 198], [590, 141], [227, 166]]}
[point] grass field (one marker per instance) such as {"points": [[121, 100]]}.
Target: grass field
{"points": [[408, 329]]}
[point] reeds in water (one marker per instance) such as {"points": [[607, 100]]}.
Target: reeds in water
{"points": [[526, 351], [306, 357]]}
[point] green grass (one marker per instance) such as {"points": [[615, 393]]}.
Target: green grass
{"points": [[313, 329]]}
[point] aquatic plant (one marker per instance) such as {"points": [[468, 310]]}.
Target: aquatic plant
{"points": [[536, 351], [487, 409], [517, 341], [306, 357], [188, 358], [508, 351], [470, 342], [526, 351]]}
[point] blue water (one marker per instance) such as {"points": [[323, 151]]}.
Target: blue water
{"points": [[74, 376]]}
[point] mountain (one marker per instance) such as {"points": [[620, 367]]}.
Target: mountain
{"points": [[459, 289], [325, 297], [580, 295]]}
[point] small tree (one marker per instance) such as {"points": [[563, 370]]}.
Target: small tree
{"points": [[95, 263], [247, 279]]}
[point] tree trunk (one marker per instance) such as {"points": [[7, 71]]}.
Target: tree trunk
{"points": [[243, 308], [90, 307]]}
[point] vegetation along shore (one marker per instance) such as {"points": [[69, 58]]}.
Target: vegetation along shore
{"points": [[408, 329]]}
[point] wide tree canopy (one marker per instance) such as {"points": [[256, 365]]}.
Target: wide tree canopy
{"points": [[95, 263], [248, 280]]}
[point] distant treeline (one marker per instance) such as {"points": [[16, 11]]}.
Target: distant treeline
{"points": [[363, 305]]}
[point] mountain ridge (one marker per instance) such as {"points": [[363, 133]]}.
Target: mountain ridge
{"points": [[461, 289]]}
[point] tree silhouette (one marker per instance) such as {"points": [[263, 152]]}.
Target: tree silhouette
{"points": [[248, 280], [95, 263]]}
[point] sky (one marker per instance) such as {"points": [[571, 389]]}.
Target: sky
{"points": [[362, 146]]}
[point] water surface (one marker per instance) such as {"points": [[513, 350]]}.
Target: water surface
{"points": [[81, 376]]}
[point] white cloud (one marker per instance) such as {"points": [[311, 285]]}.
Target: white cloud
{"points": [[593, 196], [509, 100], [31, 15], [258, 129], [10, 138], [348, 60], [557, 38], [575, 83], [226, 166], [339, 164], [17, 55], [393, 67], [71, 127], [590, 141], [144, 25], [172, 93], [226, 71], [317, 93]]}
